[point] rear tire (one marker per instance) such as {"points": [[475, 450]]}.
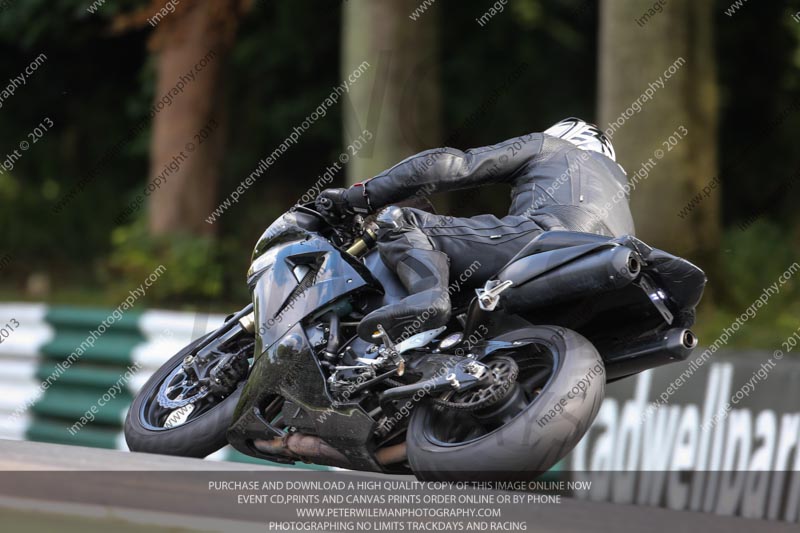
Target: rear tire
{"points": [[198, 437], [525, 446]]}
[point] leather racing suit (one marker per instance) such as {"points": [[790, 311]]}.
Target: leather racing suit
{"points": [[554, 186]]}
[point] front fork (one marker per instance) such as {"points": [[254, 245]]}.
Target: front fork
{"points": [[207, 353]]}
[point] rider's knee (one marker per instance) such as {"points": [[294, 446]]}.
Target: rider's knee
{"points": [[395, 219], [390, 218]]}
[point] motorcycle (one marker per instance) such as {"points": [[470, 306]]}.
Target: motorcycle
{"points": [[502, 392]]}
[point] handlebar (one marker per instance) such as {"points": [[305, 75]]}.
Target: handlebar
{"points": [[360, 245], [324, 203]]}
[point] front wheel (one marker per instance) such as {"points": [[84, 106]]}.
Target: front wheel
{"points": [[175, 415], [555, 385]]}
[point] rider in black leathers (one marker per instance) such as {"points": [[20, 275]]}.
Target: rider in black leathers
{"points": [[568, 183]]}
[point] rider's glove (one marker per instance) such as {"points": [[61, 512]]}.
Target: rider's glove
{"points": [[343, 203], [334, 203]]}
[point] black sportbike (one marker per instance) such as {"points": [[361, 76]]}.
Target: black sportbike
{"points": [[504, 391]]}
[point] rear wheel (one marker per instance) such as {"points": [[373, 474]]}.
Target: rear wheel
{"points": [[177, 414], [544, 397]]}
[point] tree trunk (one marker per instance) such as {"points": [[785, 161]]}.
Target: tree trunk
{"points": [[398, 100], [188, 136], [636, 48]]}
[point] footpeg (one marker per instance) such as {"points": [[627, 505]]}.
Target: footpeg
{"points": [[387, 340], [389, 352]]}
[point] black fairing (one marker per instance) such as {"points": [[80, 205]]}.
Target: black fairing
{"points": [[290, 368], [585, 283], [560, 268], [285, 363], [281, 300], [554, 240]]}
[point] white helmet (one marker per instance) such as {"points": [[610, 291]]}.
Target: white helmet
{"points": [[583, 135]]}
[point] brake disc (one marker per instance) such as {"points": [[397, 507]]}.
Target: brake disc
{"points": [[179, 389], [504, 370], [225, 370]]}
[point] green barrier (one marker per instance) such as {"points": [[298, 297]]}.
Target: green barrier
{"points": [[86, 376], [78, 318], [76, 388], [95, 371], [70, 404], [57, 432], [112, 348]]}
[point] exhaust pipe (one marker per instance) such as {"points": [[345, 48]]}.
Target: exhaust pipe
{"points": [[689, 339], [633, 266], [304, 448], [657, 350], [389, 455], [594, 273], [309, 448]]}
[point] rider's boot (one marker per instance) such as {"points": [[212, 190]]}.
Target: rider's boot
{"points": [[424, 273]]}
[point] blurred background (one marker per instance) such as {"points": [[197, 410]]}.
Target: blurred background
{"points": [[109, 96]]}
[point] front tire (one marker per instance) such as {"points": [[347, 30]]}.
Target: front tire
{"points": [[528, 443], [197, 437]]}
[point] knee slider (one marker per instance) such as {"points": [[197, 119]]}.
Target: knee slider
{"points": [[393, 220], [390, 218]]}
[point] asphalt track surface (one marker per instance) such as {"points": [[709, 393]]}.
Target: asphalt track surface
{"points": [[46, 487]]}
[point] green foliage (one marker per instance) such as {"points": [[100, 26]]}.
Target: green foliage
{"points": [[526, 69], [29, 23], [754, 258], [771, 326], [90, 87], [759, 109], [193, 267]]}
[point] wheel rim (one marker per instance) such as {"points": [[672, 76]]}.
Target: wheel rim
{"points": [[154, 416], [177, 397], [537, 367], [179, 390]]}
